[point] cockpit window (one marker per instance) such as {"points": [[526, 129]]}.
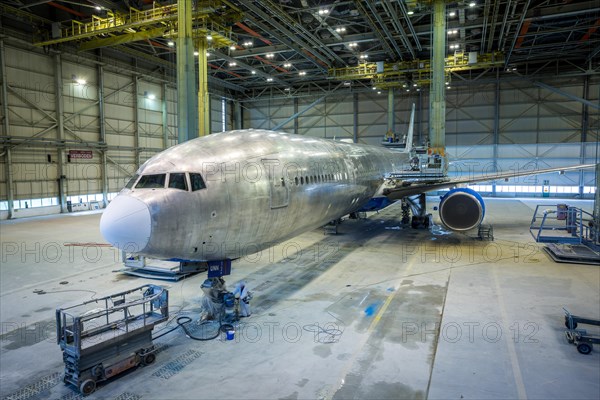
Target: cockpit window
{"points": [[132, 181], [197, 182], [151, 181], [178, 181]]}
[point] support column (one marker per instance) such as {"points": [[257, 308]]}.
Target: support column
{"points": [[102, 135], [60, 134], [437, 102], [391, 116], [237, 107], [355, 119], [187, 109], [203, 97], [584, 131], [496, 132], [296, 109], [6, 131], [165, 117], [136, 122]]}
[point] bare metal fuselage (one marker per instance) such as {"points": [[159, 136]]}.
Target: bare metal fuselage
{"points": [[262, 187]]}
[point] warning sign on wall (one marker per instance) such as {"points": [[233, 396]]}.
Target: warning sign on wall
{"points": [[81, 154]]}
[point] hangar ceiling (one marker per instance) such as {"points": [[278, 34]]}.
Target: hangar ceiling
{"points": [[293, 44]]}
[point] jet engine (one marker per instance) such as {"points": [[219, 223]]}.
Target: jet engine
{"points": [[462, 209]]}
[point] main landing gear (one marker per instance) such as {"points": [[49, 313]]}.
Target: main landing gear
{"points": [[418, 207]]}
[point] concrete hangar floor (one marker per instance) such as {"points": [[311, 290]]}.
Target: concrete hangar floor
{"points": [[419, 315]]}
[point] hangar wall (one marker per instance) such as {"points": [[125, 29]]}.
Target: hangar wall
{"points": [[508, 119], [48, 118]]}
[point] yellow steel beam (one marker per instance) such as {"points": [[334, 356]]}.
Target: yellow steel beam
{"points": [[418, 71], [122, 39], [135, 20]]}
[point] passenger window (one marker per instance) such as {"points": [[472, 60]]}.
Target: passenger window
{"points": [[296, 180], [151, 181], [282, 182], [178, 181], [132, 181], [197, 182], [302, 180]]}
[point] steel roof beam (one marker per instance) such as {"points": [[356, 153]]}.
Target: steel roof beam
{"points": [[293, 43], [249, 68], [389, 8], [376, 30], [301, 30]]}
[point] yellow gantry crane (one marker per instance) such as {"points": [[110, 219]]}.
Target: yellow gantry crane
{"points": [[210, 18]]}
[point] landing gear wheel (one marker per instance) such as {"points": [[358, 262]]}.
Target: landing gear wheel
{"points": [[584, 348], [149, 359], [87, 387]]}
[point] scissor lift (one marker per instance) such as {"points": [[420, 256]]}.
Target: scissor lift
{"points": [[104, 337]]}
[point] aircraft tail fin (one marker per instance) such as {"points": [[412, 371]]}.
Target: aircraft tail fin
{"points": [[410, 133]]}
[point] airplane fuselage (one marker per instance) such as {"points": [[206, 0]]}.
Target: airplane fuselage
{"points": [[234, 193]]}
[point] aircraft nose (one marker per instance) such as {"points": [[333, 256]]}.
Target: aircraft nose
{"points": [[126, 224]]}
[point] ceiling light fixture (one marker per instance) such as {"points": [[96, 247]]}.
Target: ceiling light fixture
{"points": [[232, 64], [472, 4], [171, 43], [410, 12], [323, 11], [253, 72], [269, 79], [302, 73], [232, 47], [196, 53], [287, 65], [340, 29], [353, 44], [270, 55], [209, 37]]}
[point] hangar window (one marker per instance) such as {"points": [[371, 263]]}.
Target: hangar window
{"points": [[177, 181], [132, 181], [197, 182], [154, 181]]}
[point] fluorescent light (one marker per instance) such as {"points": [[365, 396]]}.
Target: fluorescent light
{"points": [[80, 81], [353, 44], [171, 43], [472, 4], [363, 56], [302, 73], [374, 87], [248, 44], [452, 14], [410, 12], [287, 65], [196, 53], [209, 37], [232, 47], [378, 92], [323, 11], [253, 72], [98, 8], [207, 54], [232, 64], [269, 79], [270, 55], [151, 96], [340, 29]]}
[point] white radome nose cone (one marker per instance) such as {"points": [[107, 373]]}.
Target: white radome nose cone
{"points": [[126, 224]]}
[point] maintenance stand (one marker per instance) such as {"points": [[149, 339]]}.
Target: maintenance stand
{"points": [[104, 337]]}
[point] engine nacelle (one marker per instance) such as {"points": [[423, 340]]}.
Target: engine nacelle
{"points": [[462, 209]]}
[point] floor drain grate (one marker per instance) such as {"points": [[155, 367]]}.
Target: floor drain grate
{"points": [[174, 367], [36, 388]]}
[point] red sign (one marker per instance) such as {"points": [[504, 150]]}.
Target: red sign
{"points": [[82, 154]]}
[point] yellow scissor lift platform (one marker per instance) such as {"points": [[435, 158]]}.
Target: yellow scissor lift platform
{"points": [[104, 337]]}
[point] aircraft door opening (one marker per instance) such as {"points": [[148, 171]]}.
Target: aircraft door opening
{"points": [[278, 189]]}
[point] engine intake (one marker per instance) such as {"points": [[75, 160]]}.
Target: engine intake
{"points": [[462, 209]]}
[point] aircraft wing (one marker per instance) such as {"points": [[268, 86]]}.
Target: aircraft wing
{"points": [[412, 187]]}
